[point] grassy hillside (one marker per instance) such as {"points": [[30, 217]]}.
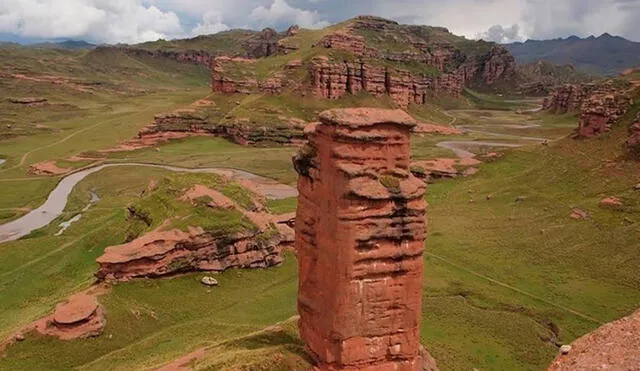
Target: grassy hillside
{"points": [[505, 280]]}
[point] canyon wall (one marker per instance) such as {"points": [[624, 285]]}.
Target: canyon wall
{"points": [[360, 230], [333, 80]]}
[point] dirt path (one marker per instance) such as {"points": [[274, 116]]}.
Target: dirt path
{"points": [[459, 147]]}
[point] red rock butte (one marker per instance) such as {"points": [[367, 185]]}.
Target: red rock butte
{"points": [[360, 230]]}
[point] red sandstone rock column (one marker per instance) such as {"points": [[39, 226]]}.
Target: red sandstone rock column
{"points": [[360, 232]]}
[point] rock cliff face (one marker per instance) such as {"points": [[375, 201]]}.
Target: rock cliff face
{"points": [[360, 230], [163, 253], [568, 98], [181, 124], [189, 56], [263, 44], [603, 109], [332, 80]]}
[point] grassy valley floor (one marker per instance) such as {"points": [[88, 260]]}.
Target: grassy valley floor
{"points": [[509, 275]]}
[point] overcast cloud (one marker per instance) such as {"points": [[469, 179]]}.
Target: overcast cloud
{"points": [[130, 21]]}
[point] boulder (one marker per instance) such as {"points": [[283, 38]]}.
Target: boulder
{"points": [[209, 281]]}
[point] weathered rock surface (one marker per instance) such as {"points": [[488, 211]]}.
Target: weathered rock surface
{"points": [[633, 143], [333, 80], [360, 230], [178, 125], [81, 316], [164, 253], [161, 253], [615, 346], [568, 98], [603, 109]]}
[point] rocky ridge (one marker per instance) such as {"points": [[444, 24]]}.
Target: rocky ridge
{"points": [[600, 105], [603, 109], [346, 62], [360, 250], [614, 346], [165, 252]]}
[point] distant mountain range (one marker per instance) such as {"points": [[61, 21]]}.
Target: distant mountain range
{"points": [[603, 55], [67, 44]]}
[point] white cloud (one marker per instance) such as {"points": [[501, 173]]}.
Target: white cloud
{"points": [[99, 20], [280, 11], [500, 34], [211, 23]]}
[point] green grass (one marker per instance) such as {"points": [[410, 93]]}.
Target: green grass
{"points": [[283, 206]]}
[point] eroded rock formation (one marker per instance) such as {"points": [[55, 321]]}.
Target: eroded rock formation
{"points": [[81, 316], [614, 346], [568, 98], [162, 253], [360, 230], [333, 80], [633, 143], [603, 109]]}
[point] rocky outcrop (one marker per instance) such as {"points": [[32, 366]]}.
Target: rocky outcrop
{"points": [[179, 125], [188, 56], [81, 316], [603, 109], [487, 70], [360, 230], [29, 102], [346, 40], [164, 253], [615, 346], [263, 44], [332, 80], [633, 143], [568, 98]]}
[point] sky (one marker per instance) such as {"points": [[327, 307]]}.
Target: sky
{"points": [[133, 21]]}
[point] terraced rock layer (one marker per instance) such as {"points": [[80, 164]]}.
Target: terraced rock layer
{"points": [[360, 230]]}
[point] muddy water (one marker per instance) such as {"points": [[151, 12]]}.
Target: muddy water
{"points": [[57, 200]]}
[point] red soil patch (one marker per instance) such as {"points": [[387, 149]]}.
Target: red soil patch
{"points": [[614, 346], [446, 167], [203, 103], [611, 202], [47, 168]]}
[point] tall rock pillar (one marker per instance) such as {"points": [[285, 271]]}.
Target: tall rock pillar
{"points": [[360, 232]]}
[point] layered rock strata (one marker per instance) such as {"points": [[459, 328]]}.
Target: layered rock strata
{"points": [[81, 316], [603, 109], [175, 251], [162, 253], [360, 230], [333, 80]]}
